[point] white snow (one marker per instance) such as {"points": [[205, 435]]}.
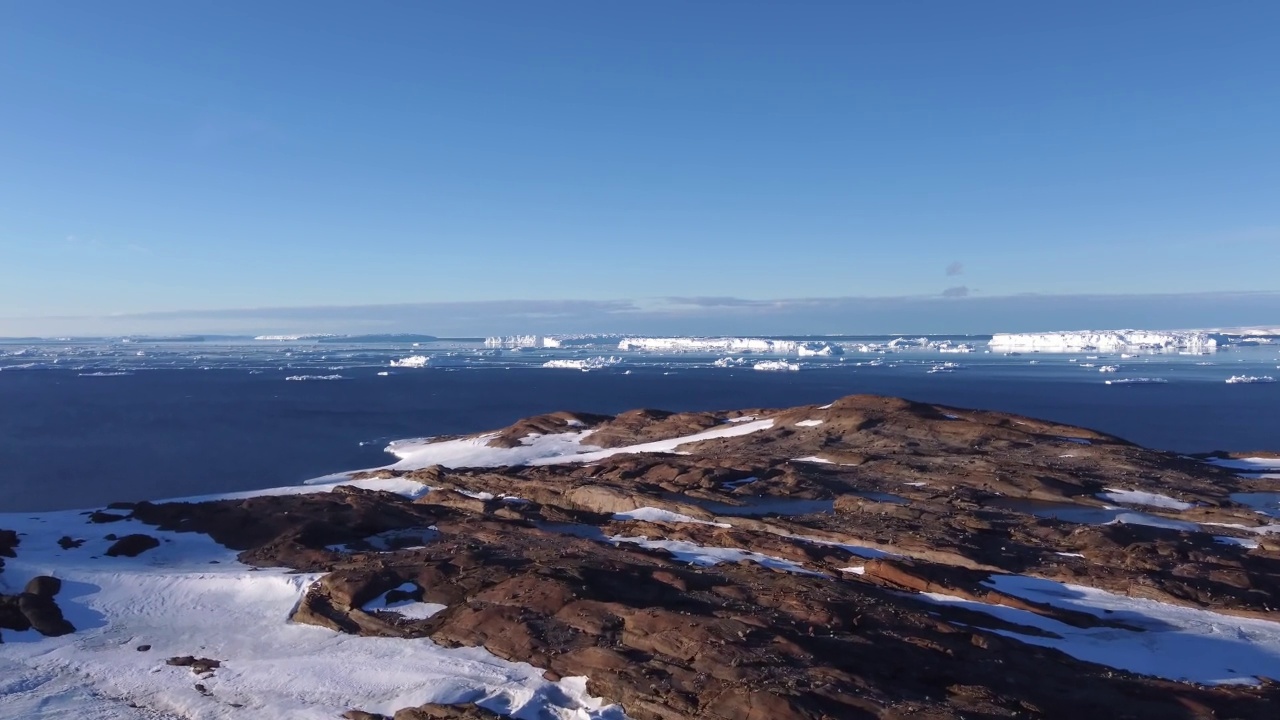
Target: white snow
{"points": [[543, 449], [410, 609], [735, 484], [706, 556], [1175, 642], [176, 599], [1152, 521], [653, 514], [1240, 542], [671, 445], [1138, 497], [1105, 340], [809, 423], [1249, 464], [813, 459]]}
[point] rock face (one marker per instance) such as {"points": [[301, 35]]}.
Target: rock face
{"points": [[756, 586]]}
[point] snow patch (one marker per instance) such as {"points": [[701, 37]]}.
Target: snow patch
{"points": [[653, 514], [1138, 497], [1174, 642]]}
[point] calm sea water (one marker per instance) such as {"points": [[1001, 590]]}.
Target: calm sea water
{"points": [[74, 434]]}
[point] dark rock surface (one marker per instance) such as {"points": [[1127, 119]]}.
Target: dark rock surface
{"points": [[44, 615], [132, 545], [947, 498], [8, 544]]}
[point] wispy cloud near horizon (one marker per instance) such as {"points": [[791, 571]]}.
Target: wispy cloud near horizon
{"points": [[956, 310]]}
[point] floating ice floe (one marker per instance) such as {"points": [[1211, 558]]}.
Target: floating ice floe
{"points": [[594, 363], [1138, 381], [317, 377], [413, 361], [776, 366], [1249, 379]]}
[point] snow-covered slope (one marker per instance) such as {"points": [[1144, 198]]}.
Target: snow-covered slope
{"points": [[191, 596], [1106, 341]]}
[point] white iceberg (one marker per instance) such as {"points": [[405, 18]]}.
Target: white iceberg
{"points": [[1107, 341]]}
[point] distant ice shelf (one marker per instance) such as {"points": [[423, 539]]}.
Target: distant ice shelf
{"points": [[1107, 341]]}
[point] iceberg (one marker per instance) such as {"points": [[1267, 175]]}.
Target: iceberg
{"points": [[291, 338], [730, 344], [515, 341], [1107, 341]]}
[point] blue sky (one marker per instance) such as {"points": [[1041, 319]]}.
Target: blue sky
{"points": [[187, 158]]}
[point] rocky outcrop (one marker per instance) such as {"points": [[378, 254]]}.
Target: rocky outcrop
{"points": [[35, 609], [132, 545], [815, 608]]}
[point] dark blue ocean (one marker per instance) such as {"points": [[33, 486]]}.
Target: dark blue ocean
{"points": [[146, 425]]}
